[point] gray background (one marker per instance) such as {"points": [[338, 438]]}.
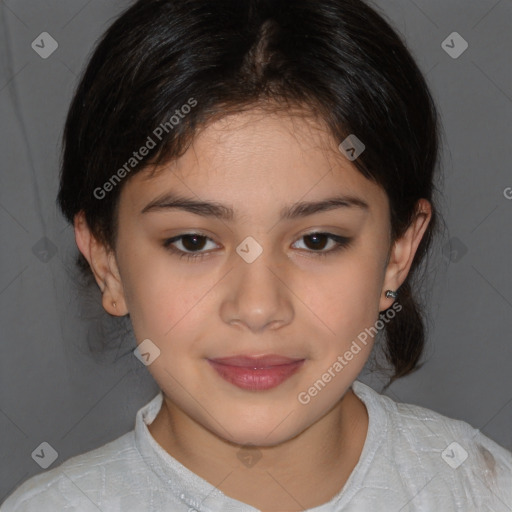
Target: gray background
{"points": [[52, 390]]}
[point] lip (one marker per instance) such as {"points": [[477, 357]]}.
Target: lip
{"points": [[256, 372]]}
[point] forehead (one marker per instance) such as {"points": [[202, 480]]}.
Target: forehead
{"points": [[255, 155]]}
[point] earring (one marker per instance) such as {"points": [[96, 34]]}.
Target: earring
{"points": [[391, 294], [114, 304]]}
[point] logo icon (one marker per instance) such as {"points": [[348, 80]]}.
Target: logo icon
{"points": [[249, 455], [454, 250], [146, 352], [44, 45], [352, 147], [454, 455], [44, 249], [249, 249], [45, 455], [454, 45]]}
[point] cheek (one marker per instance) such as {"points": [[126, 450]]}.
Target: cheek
{"points": [[163, 300], [151, 289], [347, 298]]}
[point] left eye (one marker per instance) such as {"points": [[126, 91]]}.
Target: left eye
{"points": [[319, 240]]}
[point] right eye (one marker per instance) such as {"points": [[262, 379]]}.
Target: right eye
{"points": [[192, 243]]}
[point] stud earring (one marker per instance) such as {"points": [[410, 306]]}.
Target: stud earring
{"points": [[391, 294], [114, 304]]}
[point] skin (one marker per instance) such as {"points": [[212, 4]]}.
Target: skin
{"points": [[289, 301]]}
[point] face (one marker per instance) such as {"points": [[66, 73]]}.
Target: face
{"points": [[256, 281]]}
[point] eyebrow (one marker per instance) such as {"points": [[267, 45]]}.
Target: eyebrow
{"points": [[170, 201]]}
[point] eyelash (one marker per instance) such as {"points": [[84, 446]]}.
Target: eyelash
{"points": [[341, 243]]}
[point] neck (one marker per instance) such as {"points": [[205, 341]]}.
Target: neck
{"points": [[303, 472]]}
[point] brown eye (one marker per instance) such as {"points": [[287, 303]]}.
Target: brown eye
{"points": [[193, 242], [192, 245], [317, 241]]}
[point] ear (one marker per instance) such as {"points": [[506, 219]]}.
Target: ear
{"points": [[103, 265], [403, 251]]}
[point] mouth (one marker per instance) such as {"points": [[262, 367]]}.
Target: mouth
{"points": [[256, 373]]}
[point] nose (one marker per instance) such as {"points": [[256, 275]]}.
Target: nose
{"points": [[257, 295]]}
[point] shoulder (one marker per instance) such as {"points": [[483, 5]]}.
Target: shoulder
{"points": [[443, 455], [76, 483]]}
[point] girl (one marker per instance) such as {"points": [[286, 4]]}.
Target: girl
{"points": [[252, 183]]}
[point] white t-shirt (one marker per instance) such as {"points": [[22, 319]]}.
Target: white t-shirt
{"points": [[413, 459]]}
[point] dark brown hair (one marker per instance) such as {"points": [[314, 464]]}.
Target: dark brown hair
{"points": [[339, 59]]}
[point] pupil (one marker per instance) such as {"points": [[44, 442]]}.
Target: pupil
{"points": [[195, 245], [317, 237]]}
